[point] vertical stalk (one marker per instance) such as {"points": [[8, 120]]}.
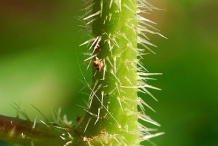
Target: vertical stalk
{"points": [[113, 99]]}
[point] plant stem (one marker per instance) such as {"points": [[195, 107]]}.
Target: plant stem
{"points": [[24, 132], [113, 99]]}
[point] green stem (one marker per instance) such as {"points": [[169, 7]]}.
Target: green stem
{"points": [[25, 132], [113, 100]]}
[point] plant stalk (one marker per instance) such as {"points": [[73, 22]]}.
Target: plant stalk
{"points": [[113, 98]]}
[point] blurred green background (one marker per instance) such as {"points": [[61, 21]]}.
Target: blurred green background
{"points": [[38, 64]]}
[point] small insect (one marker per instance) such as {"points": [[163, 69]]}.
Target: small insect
{"points": [[98, 64]]}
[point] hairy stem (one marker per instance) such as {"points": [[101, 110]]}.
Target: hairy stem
{"points": [[24, 132], [113, 99]]}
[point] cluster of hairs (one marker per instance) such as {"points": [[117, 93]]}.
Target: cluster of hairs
{"points": [[108, 63]]}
